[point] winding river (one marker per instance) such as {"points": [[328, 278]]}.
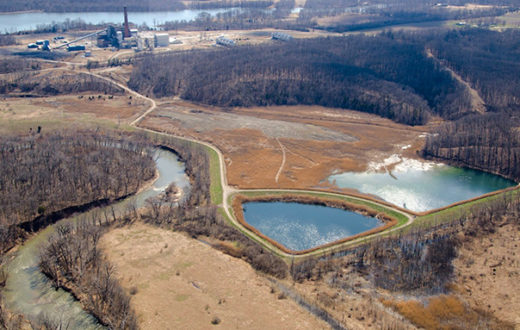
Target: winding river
{"points": [[30, 293]]}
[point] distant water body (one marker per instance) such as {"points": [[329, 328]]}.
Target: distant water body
{"points": [[31, 20]]}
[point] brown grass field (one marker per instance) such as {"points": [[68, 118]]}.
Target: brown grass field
{"points": [[304, 143], [20, 114], [182, 283]]}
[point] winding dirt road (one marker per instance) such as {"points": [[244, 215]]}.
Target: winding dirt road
{"points": [[227, 190]]}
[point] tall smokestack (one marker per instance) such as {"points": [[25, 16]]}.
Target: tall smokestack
{"points": [[127, 28]]}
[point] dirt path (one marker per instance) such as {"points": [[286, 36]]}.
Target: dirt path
{"points": [[477, 103], [227, 190], [283, 161]]}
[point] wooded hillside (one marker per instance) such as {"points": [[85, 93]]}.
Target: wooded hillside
{"points": [[381, 75]]}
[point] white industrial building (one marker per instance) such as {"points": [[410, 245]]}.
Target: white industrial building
{"points": [[162, 39]]}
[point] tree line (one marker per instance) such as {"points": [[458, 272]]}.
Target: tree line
{"points": [[43, 173], [7, 40], [352, 15], [241, 19], [418, 261], [73, 260], [488, 60], [90, 6], [133, 5], [10, 65]]}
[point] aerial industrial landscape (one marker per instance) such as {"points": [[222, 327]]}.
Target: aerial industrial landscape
{"points": [[259, 164]]}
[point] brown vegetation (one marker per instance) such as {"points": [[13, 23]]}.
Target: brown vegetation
{"points": [[8, 65], [185, 283], [444, 312], [253, 156], [238, 200], [420, 264], [196, 215], [487, 273], [7, 40]]}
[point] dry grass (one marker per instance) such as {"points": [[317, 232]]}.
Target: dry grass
{"points": [[253, 157], [444, 312], [189, 285], [18, 115], [488, 275]]}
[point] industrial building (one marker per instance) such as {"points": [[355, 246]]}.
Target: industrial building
{"points": [[162, 39], [116, 37]]}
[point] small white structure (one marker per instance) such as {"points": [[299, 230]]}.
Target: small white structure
{"points": [[119, 35], [281, 36], [134, 32], [162, 40], [223, 41]]}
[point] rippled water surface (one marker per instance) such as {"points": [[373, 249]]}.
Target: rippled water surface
{"points": [[300, 226]]}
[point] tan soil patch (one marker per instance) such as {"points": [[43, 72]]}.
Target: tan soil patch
{"points": [[253, 155], [72, 107], [488, 273], [183, 284]]}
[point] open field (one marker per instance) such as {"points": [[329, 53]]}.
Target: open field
{"points": [[490, 265], [184, 283], [52, 112], [289, 147]]}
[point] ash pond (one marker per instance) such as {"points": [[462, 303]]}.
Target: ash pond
{"points": [[300, 226], [420, 186]]}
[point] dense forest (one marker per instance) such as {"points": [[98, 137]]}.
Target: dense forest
{"points": [[486, 59], [391, 74], [382, 75], [44, 173], [487, 142]]}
